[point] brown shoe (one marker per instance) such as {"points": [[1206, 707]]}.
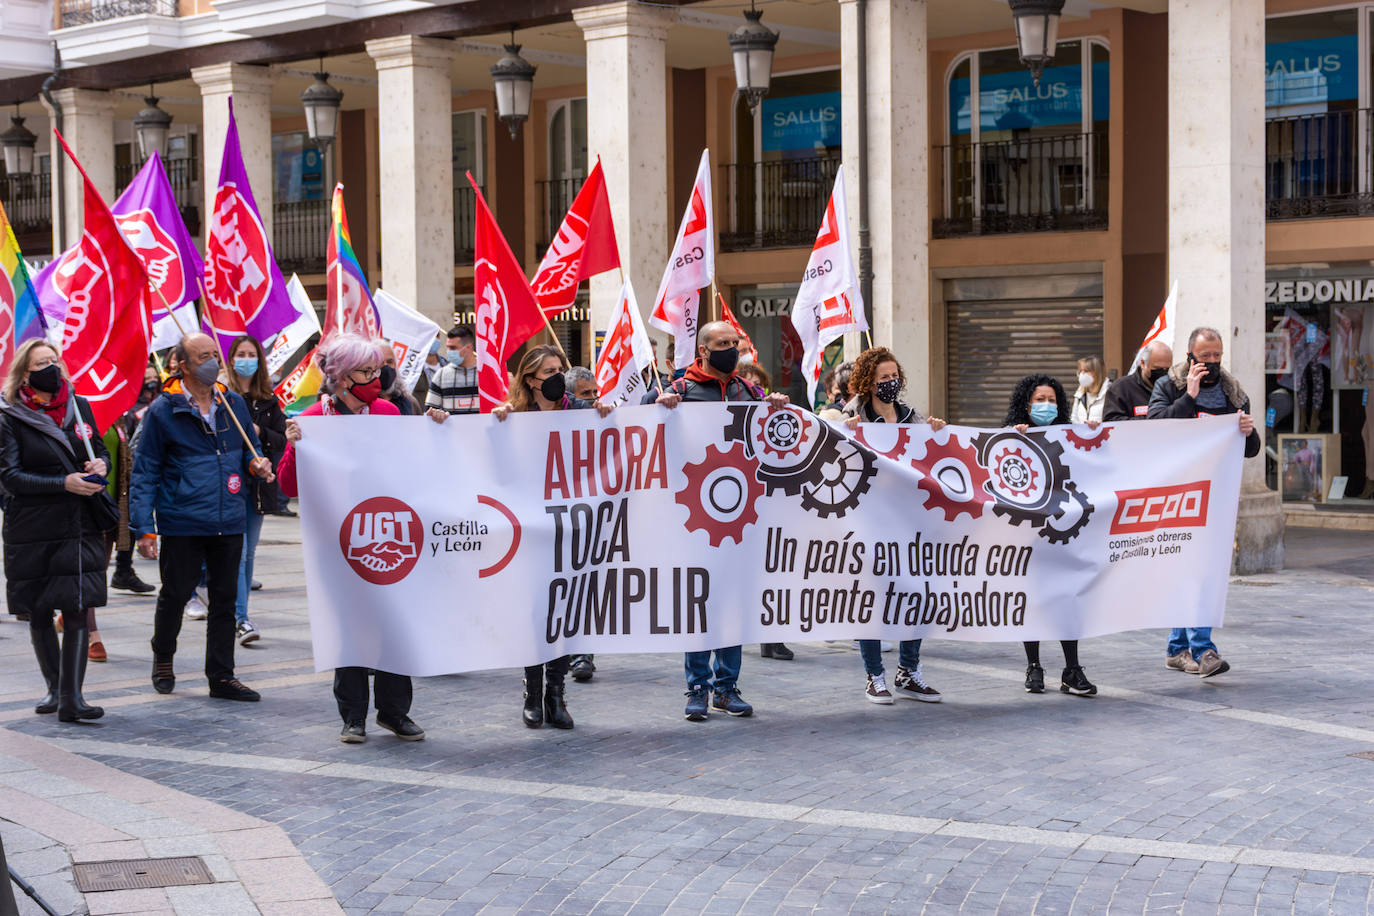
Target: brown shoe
{"points": [[96, 652], [1211, 664], [1183, 661]]}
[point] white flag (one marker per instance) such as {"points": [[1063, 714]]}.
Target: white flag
{"points": [[690, 269], [1163, 328], [625, 354], [168, 330], [410, 334], [828, 303], [295, 334]]}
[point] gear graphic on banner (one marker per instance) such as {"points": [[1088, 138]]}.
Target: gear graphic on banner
{"points": [[720, 494], [953, 478], [1052, 531], [1088, 443], [897, 450], [1027, 476]]}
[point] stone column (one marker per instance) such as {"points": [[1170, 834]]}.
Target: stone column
{"points": [[251, 89], [88, 127], [1216, 218], [414, 101], [898, 163], [627, 123]]}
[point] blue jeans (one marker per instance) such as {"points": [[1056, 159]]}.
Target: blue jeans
{"points": [[250, 547], [698, 665], [871, 651], [1196, 640]]}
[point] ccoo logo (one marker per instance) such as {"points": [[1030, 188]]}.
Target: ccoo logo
{"points": [[381, 540]]}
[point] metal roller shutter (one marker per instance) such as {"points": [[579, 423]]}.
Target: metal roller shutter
{"points": [[993, 343]]}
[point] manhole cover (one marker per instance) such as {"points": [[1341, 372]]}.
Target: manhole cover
{"points": [[130, 874]]}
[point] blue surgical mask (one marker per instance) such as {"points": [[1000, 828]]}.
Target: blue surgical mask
{"points": [[1044, 413], [246, 366], [455, 357]]}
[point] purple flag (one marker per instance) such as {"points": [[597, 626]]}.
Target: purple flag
{"points": [[244, 289], [148, 217]]}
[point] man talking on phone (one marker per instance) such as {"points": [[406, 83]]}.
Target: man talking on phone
{"points": [[1199, 387]]}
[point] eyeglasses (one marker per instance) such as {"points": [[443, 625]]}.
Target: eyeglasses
{"points": [[367, 374]]}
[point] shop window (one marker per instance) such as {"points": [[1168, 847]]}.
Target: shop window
{"points": [[785, 158], [1021, 157], [298, 168]]}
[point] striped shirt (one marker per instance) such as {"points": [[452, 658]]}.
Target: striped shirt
{"points": [[454, 389]]}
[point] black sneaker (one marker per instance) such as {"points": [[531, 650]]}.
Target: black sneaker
{"points": [[582, 668], [129, 581], [912, 685], [1035, 678], [403, 728], [163, 677], [729, 701], [1074, 681], [233, 689], [285, 512], [696, 710], [353, 733]]}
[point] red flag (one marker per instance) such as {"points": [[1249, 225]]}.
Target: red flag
{"points": [[584, 247], [748, 353], [109, 322], [507, 314]]}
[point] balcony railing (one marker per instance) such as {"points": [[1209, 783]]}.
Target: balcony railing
{"points": [[28, 202], [464, 221], [184, 177], [300, 232], [555, 199], [1036, 184], [776, 204], [1318, 165], [84, 12]]}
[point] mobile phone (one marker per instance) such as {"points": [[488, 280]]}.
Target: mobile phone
{"points": [[96, 478]]}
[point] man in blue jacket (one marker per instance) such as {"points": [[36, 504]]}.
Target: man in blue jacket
{"points": [[189, 485]]}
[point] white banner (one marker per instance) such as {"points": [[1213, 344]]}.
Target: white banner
{"points": [[410, 334], [292, 337], [721, 524], [625, 354]]}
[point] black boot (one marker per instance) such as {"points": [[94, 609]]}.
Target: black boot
{"points": [[71, 707], [555, 710], [124, 576], [533, 713], [49, 663], [776, 650]]}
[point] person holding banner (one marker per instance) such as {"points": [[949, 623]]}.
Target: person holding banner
{"points": [[541, 385], [713, 377], [52, 467], [196, 452], [877, 381], [1129, 398], [1039, 400], [352, 369], [249, 380], [453, 386], [1199, 387]]}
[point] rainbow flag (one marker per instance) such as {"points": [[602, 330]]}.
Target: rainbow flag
{"points": [[350, 309], [20, 317]]}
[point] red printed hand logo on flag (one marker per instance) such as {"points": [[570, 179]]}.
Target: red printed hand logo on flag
{"points": [[584, 247], [690, 268], [109, 319], [507, 314]]}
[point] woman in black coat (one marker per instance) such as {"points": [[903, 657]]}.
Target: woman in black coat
{"points": [[55, 543]]}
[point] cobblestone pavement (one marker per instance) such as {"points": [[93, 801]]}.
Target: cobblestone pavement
{"points": [[1241, 794]]}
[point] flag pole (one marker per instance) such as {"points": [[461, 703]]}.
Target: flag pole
{"points": [[227, 409], [548, 326]]}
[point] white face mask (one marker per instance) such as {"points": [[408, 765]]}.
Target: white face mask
{"points": [[1085, 380]]}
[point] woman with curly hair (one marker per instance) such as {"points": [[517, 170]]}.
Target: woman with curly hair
{"points": [[877, 382], [1039, 400]]}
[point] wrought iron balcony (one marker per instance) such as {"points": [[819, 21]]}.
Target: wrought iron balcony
{"points": [[300, 232], [85, 12], [28, 205], [464, 221], [1318, 165], [1036, 184], [555, 199], [777, 204], [184, 177]]}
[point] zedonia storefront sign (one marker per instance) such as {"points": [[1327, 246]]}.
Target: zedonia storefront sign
{"points": [[801, 122], [1317, 292]]}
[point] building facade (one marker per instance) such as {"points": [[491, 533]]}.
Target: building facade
{"points": [[1014, 226]]}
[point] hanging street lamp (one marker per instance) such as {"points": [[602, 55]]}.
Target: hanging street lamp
{"points": [[752, 46], [1037, 32], [513, 77]]}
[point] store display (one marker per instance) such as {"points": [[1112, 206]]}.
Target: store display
{"points": [[1307, 466]]}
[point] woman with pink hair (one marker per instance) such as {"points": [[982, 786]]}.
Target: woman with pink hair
{"points": [[352, 368]]}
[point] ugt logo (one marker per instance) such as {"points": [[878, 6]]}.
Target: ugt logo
{"points": [[381, 540]]}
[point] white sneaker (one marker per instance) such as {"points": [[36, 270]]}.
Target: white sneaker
{"points": [[875, 690], [196, 609], [246, 633]]}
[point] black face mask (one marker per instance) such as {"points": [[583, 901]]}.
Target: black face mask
{"points": [[554, 387], [47, 380], [388, 378], [723, 360], [1156, 374], [1213, 375]]}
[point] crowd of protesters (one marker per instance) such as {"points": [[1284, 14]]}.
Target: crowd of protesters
{"points": [[187, 476]]}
